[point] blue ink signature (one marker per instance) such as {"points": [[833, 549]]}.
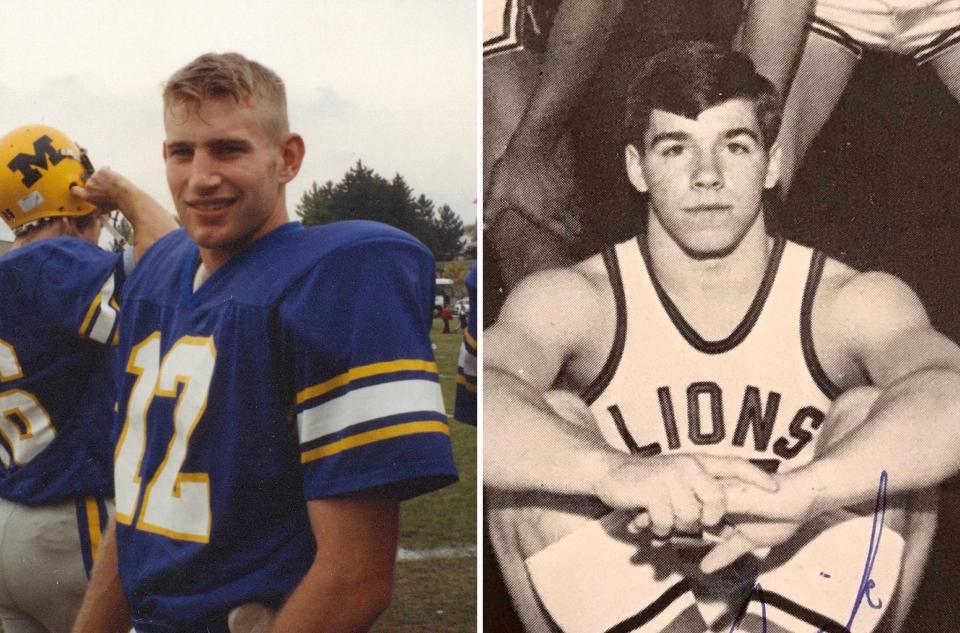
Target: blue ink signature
{"points": [[867, 584]]}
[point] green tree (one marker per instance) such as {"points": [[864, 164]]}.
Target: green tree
{"points": [[448, 233], [457, 271], [314, 206], [364, 194]]}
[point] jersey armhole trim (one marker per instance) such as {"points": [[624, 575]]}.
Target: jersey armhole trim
{"points": [[816, 370], [602, 381]]}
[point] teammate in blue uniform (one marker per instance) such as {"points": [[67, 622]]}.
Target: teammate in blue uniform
{"points": [[466, 402], [278, 396], [58, 325]]}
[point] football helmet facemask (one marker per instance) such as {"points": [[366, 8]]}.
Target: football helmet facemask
{"points": [[38, 165]]}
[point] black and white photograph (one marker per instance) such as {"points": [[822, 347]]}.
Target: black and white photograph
{"points": [[720, 377]]}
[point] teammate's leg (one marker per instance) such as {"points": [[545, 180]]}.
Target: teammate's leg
{"points": [[43, 565], [822, 76], [12, 617]]}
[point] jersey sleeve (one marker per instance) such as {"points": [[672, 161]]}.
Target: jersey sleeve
{"points": [[465, 409], [369, 410], [78, 287]]}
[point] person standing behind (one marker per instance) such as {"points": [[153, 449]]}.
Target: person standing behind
{"points": [[280, 395], [446, 313], [466, 402], [58, 325]]}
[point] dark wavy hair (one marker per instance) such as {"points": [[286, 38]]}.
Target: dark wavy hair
{"points": [[690, 77]]}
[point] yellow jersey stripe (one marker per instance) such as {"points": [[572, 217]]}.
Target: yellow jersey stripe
{"points": [[93, 526], [369, 437], [469, 386], [365, 371], [90, 312], [472, 342]]}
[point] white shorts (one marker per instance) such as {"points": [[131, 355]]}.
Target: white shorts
{"points": [[510, 25], [600, 578], [921, 29], [44, 556]]}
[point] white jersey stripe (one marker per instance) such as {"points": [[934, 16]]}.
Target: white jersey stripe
{"points": [[467, 362], [107, 317], [369, 403]]}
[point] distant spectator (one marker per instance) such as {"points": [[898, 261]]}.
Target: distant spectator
{"points": [[446, 314]]}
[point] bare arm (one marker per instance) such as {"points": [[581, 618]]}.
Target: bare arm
{"points": [[104, 608], [911, 432], [351, 579], [110, 190], [542, 325], [774, 33], [580, 32]]}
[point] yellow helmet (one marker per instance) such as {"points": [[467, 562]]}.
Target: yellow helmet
{"points": [[38, 164]]}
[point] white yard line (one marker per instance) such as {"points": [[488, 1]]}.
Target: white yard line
{"points": [[461, 551]]}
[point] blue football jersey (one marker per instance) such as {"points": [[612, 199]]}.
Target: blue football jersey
{"points": [[58, 320], [465, 408], [301, 369]]}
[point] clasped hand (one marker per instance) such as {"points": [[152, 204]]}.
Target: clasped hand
{"points": [[683, 494]]}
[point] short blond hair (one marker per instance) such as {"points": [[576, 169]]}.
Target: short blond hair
{"points": [[231, 75]]}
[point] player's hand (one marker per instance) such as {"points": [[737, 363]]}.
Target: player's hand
{"points": [[761, 519], [530, 182], [250, 617], [105, 189], [679, 493], [756, 537], [793, 501]]}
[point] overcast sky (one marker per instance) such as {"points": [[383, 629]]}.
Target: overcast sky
{"points": [[391, 82]]}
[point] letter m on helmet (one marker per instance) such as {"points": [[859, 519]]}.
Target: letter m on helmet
{"points": [[26, 164]]}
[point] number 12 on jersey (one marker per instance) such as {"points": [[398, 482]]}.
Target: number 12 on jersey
{"points": [[175, 504]]}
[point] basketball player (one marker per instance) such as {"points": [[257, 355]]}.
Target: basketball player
{"points": [[704, 347], [280, 395], [927, 31], [551, 64], [58, 322]]}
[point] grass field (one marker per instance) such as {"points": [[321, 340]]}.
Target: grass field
{"points": [[440, 593]]}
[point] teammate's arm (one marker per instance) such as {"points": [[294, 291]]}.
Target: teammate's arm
{"points": [[351, 579], [104, 608], [109, 190], [579, 34], [773, 35]]}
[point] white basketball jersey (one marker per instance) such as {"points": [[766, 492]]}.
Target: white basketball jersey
{"points": [[759, 394]]}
